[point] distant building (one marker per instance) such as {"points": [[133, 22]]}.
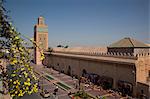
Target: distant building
{"points": [[41, 39], [128, 45]]}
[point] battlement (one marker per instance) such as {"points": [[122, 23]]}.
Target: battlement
{"points": [[144, 54], [99, 52], [108, 54]]}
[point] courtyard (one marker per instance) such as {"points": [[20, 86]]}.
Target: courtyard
{"points": [[67, 84]]}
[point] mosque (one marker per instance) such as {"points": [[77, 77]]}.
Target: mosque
{"points": [[123, 65]]}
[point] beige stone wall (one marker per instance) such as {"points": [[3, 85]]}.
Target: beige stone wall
{"points": [[117, 71], [132, 71], [143, 68]]}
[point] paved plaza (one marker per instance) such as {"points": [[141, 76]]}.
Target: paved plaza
{"points": [[49, 85]]}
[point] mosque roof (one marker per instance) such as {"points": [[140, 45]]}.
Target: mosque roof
{"points": [[128, 42]]}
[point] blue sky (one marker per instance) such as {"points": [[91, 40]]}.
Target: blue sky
{"points": [[83, 22]]}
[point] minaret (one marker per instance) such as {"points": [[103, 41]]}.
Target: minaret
{"points": [[41, 39]]}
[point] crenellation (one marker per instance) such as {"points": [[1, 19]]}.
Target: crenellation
{"points": [[111, 54], [128, 54], [145, 54], [117, 54], [132, 54], [121, 54], [108, 54]]}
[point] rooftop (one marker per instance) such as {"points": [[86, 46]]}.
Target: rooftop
{"points": [[128, 42]]}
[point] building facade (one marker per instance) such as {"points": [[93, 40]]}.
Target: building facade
{"points": [[128, 45], [123, 66], [125, 72], [41, 39]]}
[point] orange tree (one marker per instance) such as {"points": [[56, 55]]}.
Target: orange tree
{"points": [[19, 74]]}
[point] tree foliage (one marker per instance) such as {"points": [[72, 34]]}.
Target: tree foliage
{"points": [[19, 74], [60, 45], [66, 46]]}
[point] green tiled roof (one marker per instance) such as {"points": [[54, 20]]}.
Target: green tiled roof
{"points": [[128, 42]]}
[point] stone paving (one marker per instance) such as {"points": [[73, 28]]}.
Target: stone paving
{"points": [[49, 86], [71, 82]]}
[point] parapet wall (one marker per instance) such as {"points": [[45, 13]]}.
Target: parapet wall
{"points": [[109, 54], [144, 54], [102, 53]]}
